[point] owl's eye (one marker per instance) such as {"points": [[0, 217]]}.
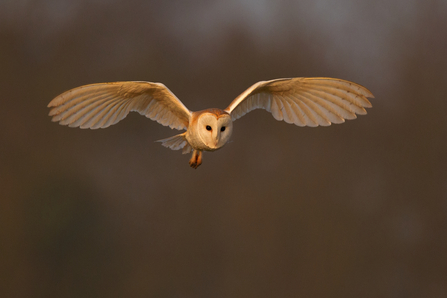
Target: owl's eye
{"points": [[222, 128], [208, 128]]}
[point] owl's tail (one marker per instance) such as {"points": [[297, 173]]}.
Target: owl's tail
{"points": [[176, 143]]}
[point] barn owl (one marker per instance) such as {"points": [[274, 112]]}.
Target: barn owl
{"points": [[301, 101]]}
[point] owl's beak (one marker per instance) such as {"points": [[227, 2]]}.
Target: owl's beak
{"points": [[216, 140]]}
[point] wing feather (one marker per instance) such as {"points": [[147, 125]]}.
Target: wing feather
{"points": [[86, 112], [304, 101], [276, 110], [300, 121], [101, 105], [341, 107], [289, 116], [334, 96], [352, 89], [105, 115], [318, 113], [114, 117], [97, 114], [60, 113], [308, 115]]}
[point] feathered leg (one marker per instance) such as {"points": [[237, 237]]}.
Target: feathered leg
{"points": [[196, 159]]}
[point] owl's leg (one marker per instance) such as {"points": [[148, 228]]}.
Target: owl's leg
{"points": [[196, 159]]}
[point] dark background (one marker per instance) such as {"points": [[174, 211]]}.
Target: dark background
{"points": [[351, 210]]}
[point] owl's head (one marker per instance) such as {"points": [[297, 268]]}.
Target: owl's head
{"points": [[214, 128]]}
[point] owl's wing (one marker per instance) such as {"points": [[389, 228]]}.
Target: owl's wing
{"points": [[101, 105], [304, 101]]}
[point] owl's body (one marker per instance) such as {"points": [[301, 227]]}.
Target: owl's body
{"points": [[218, 127], [301, 101]]}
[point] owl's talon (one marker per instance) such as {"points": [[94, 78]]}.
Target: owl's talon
{"points": [[194, 165], [196, 159]]}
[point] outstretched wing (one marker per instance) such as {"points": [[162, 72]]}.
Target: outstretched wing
{"points": [[101, 105], [304, 101]]}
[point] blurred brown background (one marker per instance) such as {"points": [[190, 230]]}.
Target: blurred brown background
{"points": [[351, 210]]}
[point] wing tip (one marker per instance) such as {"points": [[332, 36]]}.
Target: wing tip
{"points": [[366, 102], [54, 102], [366, 92]]}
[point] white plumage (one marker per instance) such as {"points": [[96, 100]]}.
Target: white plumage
{"points": [[301, 101]]}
